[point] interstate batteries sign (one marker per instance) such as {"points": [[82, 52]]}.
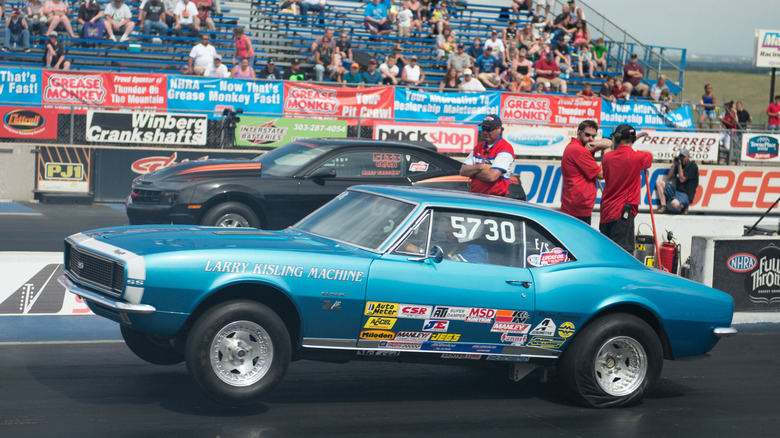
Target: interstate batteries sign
{"points": [[276, 131], [169, 129]]}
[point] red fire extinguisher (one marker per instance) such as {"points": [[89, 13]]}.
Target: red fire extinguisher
{"points": [[670, 254]]}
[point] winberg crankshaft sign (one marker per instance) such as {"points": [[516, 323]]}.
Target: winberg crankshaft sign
{"points": [[147, 128]]}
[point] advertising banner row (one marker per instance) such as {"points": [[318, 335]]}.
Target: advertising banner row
{"points": [[61, 90], [722, 189]]}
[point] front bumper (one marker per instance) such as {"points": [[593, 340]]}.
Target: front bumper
{"points": [[145, 214], [110, 303]]}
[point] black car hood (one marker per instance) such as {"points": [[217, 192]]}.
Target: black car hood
{"points": [[204, 169]]}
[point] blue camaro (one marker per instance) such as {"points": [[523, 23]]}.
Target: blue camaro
{"points": [[399, 273]]}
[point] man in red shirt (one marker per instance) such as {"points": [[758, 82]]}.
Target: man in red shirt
{"points": [[547, 70], [580, 171], [773, 111], [490, 163], [620, 199]]}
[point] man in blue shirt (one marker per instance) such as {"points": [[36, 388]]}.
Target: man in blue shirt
{"points": [[487, 69], [376, 19], [372, 76]]}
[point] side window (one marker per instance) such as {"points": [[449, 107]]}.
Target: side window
{"points": [[542, 248], [419, 166], [367, 164], [478, 237], [417, 242]]}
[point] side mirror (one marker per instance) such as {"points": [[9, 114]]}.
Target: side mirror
{"points": [[436, 254], [321, 173]]}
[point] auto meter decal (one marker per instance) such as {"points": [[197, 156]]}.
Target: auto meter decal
{"points": [[742, 262], [762, 283], [374, 308]]}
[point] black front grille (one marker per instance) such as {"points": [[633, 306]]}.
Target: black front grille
{"points": [[96, 270], [152, 197]]}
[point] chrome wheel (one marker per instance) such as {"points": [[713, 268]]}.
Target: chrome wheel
{"points": [[620, 366], [232, 220], [241, 353]]}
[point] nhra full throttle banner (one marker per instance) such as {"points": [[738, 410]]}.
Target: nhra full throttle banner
{"points": [[333, 102], [542, 109], [146, 128], [102, 89]]}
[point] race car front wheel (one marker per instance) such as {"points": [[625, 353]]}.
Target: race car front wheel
{"points": [[613, 361], [231, 215], [238, 352], [150, 348]]}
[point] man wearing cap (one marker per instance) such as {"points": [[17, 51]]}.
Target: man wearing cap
{"points": [[294, 73], [372, 76], [54, 53], [622, 169], [547, 71], [678, 189], [218, 70], [490, 163], [412, 74], [353, 76], [460, 60], [270, 71], [632, 77], [486, 69], [469, 83], [580, 171]]}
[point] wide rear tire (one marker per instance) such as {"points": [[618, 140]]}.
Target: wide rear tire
{"points": [[614, 361], [238, 352]]}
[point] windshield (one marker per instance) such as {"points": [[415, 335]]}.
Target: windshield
{"points": [[285, 160], [361, 219]]}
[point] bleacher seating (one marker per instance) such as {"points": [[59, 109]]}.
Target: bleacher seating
{"points": [[286, 37]]}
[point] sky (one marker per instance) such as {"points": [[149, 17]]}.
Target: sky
{"points": [[704, 27]]}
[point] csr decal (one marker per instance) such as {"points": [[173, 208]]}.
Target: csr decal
{"points": [[414, 311]]}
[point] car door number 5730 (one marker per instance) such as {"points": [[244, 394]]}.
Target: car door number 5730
{"points": [[504, 230]]}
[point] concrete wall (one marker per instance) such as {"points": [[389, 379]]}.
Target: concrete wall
{"points": [[17, 171]]}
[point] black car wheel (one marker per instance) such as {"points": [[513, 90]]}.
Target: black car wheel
{"points": [[238, 352], [614, 361], [150, 348], [231, 214]]}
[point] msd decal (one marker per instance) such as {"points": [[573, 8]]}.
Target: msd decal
{"points": [[481, 315], [742, 262]]}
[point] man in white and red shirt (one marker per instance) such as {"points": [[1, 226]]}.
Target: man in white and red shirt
{"points": [[490, 164]]}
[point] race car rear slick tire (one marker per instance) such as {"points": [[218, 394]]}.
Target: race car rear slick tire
{"points": [[150, 348], [231, 214], [238, 352], [614, 361]]}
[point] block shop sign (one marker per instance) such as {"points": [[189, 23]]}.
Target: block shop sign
{"points": [[446, 137]]}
